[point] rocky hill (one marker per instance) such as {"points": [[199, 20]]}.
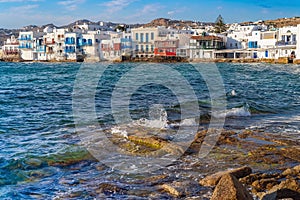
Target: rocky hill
{"points": [[179, 24], [279, 23]]}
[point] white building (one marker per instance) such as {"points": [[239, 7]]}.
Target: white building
{"points": [[144, 39], [90, 44], [11, 47], [238, 36], [28, 42], [298, 43]]}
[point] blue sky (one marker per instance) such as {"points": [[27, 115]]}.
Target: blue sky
{"points": [[19, 13]]}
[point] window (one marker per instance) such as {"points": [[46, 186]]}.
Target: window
{"points": [[142, 37], [152, 36], [147, 48], [147, 37], [136, 36], [294, 38], [142, 48], [152, 48]]}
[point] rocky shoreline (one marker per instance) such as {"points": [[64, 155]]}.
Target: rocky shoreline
{"points": [[243, 165], [171, 60]]}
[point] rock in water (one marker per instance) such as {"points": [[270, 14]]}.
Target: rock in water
{"points": [[213, 180], [229, 188]]}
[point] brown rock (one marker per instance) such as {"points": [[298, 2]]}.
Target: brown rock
{"points": [[289, 188], [297, 169], [107, 188], [229, 188], [290, 172], [291, 184], [282, 194], [182, 189], [171, 190], [213, 180], [263, 184]]}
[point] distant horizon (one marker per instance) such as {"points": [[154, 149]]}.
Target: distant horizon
{"points": [[15, 14]]}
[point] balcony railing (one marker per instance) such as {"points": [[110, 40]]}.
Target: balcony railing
{"points": [[41, 49], [25, 38], [25, 47], [284, 43], [70, 42], [81, 44], [11, 52]]}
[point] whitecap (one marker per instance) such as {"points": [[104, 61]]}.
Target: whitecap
{"points": [[234, 112]]}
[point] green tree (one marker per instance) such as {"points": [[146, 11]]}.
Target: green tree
{"points": [[220, 25]]}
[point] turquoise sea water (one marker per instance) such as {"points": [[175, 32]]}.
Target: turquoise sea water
{"points": [[37, 125]]}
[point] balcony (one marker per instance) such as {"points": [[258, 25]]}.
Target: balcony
{"points": [[84, 42], [284, 43], [25, 47], [25, 38], [124, 40], [40, 49], [70, 42], [11, 52]]}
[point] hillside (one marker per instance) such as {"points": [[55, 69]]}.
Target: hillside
{"points": [[279, 23], [179, 24]]}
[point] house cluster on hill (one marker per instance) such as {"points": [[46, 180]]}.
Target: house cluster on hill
{"points": [[89, 42]]}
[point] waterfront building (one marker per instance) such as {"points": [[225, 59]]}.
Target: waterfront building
{"points": [[267, 44], [204, 46], [90, 44], [11, 47], [126, 45], [166, 47], [111, 49], [28, 42], [287, 42], [298, 43], [73, 50], [183, 49], [239, 36], [144, 40]]}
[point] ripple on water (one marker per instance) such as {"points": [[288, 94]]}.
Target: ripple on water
{"points": [[39, 157]]}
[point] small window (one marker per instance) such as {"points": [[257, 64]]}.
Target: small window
{"points": [[152, 36], [136, 36]]}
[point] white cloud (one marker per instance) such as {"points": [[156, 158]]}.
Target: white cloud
{"points": [[147, 13], [71, 4], [180, 10], [23, 9], [151, 8], [171, 12], [116, 5]]}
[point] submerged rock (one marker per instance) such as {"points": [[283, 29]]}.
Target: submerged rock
{"points": [[213, 180], [69, 157], [34, 162], [181, 189], [229, 188], [108, 188]]}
